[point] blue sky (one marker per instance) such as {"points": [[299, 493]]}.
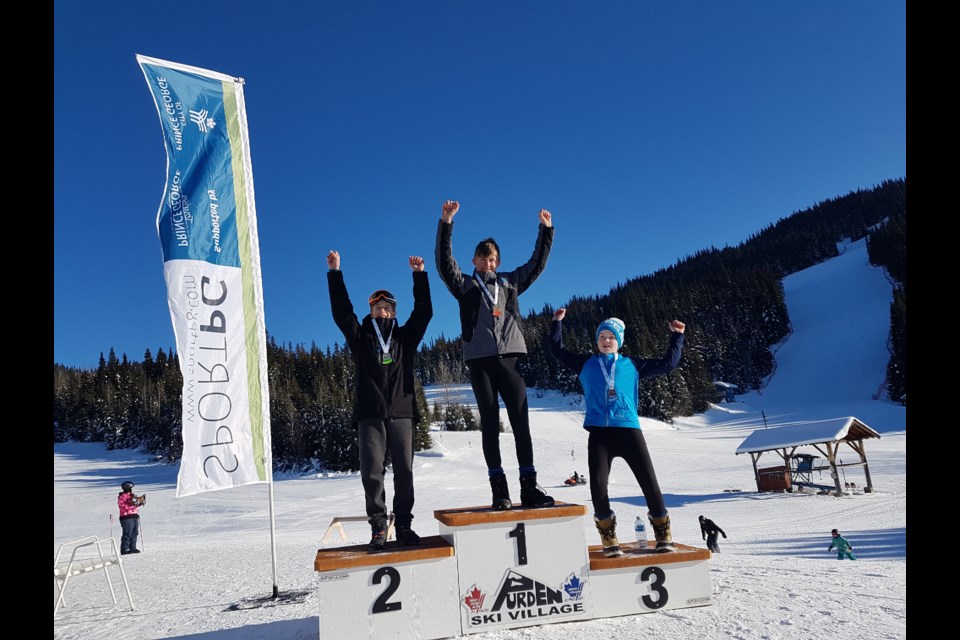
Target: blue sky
{"points": [[649, 129]]}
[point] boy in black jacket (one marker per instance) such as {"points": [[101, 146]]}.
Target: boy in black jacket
{"points": [[386, 408], [709, 531]]}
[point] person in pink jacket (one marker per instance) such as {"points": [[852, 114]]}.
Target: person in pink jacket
{"points": [[129, 504]]}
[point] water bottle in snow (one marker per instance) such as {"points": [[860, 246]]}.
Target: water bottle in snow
{"points": [[640, 528]]}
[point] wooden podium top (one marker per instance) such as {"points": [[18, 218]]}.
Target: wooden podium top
{"points": [[358, 555], [485, 515], [634, 557]]}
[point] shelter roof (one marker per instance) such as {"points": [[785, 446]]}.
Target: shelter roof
{"points": [[814, 432]]}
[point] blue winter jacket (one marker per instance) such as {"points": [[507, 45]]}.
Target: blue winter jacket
{"points": [[602, 410]]}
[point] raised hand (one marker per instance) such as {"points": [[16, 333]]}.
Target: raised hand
{"points": [[676, 325], [559, 313], [416, 263], [448, 210], [546, 218], [333, 260]]}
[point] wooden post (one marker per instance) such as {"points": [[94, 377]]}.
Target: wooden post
{"points": [[756, 471], [862, 452], [866, 468], [832, 458]]}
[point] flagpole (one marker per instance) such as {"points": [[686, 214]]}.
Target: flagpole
{"points": [[262, 345], [273, 538]]}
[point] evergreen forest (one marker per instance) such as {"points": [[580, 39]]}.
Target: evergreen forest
{"points": [[731, 300]]}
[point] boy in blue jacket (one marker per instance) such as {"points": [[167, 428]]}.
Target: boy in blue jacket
{"points": [[610, 386]]}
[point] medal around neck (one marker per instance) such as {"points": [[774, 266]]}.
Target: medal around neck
{"points": [[385, 357]]}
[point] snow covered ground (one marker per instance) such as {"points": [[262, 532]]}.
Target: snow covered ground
{"points": [[207, 558]]}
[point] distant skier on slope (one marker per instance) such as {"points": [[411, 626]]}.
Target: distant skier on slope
{"points": [[129, 504], [709, 531], [844, 548]]}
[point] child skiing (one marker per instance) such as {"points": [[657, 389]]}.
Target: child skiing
{"points": [[385, 411], [844, 548], [129, 505], [493, 344], [709, 531], [610, 387]]}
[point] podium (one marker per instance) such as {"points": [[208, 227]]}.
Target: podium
{"points": [[519, 567], [406, 592], [644, 581], [490, 570]]}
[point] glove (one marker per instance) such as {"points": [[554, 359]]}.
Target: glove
{"points": [[724, 536]]}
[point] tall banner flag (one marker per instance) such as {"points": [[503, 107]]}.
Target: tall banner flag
{"points": [[211, 263]]}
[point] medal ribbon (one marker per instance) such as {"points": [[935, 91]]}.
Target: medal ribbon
{"points": [[609, 377], [483, 287], [384, 346]]}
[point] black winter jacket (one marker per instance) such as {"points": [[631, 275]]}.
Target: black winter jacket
{"points": [[383, 390], [709, 528], [484, 334]]}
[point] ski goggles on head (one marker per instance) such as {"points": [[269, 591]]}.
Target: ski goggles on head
{"points": [[384, 295]]}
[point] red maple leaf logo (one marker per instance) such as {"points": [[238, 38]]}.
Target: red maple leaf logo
{"points": [[474, 599]]}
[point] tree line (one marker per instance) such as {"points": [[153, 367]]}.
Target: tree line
{"points": [[731, 300]]}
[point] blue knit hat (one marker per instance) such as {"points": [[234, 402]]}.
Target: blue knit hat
{"points": [[614, 326]]}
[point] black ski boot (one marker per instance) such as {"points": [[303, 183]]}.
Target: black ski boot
{"points": [[407, 536], [531, 495], [501, 492], [378, 537]]}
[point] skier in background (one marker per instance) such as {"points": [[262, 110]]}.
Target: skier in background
{"points": [[129, 504], [844, 548], [709, 531]]}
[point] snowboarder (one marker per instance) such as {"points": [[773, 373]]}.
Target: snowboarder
{"points": [[129, 505], [844, 548], [709, 531], [385, 410], [492, 340], [610, 385]]}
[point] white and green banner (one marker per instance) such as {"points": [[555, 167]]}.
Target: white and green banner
{"points": [[211, 262]]}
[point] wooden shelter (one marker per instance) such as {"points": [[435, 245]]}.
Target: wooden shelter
{"points": [[825, 436]]}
